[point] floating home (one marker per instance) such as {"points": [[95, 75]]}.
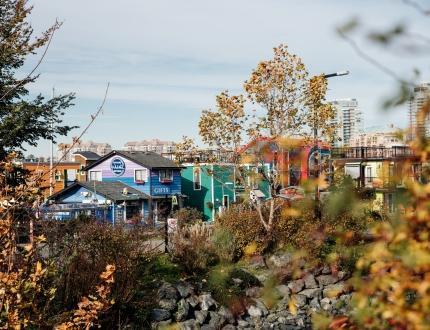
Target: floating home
{"points": [[122, 186]]}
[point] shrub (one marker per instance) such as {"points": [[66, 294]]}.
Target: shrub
{"points": [[187, 216], [224, 244], [192, 247], [244, 225]]}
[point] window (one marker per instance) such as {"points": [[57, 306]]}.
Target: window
{"points": [[95, 175], [58, 176], [166, 175], [140, 176], [225, 201], [197, 178]]}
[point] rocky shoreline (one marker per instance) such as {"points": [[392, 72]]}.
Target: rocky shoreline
{"points": [[191, 308]]}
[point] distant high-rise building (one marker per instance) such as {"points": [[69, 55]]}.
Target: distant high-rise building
{"points": [[164, 148], [418, 125], [378, 136], [67, 155], [349, 119]]}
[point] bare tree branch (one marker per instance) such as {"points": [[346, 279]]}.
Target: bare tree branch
{"points": [[374, 62], [417, 6], [75, 141]]}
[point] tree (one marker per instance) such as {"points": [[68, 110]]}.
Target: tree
{"points": [[278, 85], [290, 101], [23, 120]]}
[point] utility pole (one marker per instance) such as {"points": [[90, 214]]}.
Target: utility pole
{"points": [[51, 162], [317, 153]]}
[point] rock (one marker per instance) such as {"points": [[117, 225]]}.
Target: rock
{"points": [[326, 280], [310, 282], [227, 314], [207, 327], [216, 320], [163, 324], [259, 304], [296, 286], [325, 304], [167, 291], [185, 289], [341, 275], [311, 293], [206, 302], [183, 309], [193, 301], [257, 261], [237, 281], [334, 290], [326, 270], [189, 325], [272, 318], [169, 304], [229, 327], [299, 300], [201, 316], [262, 277], [280, 261], [283, 290], [314, 304], [253, 292], [159, 314], [254, 311], [242, 323]]}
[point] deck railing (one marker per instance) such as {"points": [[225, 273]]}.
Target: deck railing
{"points": [[372, 153]]}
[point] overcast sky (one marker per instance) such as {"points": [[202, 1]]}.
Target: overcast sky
{"points": [[167, 59]]}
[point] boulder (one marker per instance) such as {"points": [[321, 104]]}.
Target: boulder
{"points": [[299, 300], [193, 301], [311, 293], [216, 320], [254, 311], [314, 304], [227, 314], [324, 280], [279, 261], [159, 314], [167, 291], [260, 304], [296, 286], [283, 290], [185, 289], [242, 323], [310, 282], [206, 302], [169, 304], [229, 327], [253, 292], [201, 316], [326, 304], [189, 325], [183, 310], [334, 290]]}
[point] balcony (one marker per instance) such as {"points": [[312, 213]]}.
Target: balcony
{"points": [[372, 153]]}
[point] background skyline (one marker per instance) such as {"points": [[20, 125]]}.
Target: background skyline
{"points": [[167, 60]]}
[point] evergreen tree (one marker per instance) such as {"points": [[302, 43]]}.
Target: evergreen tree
{"points": [[24, 120]]}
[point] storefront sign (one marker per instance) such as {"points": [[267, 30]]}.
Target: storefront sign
{"points": [[117, 166], [161, 191]]}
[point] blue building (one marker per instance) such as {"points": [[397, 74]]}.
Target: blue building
{"points": [[122, 186]]}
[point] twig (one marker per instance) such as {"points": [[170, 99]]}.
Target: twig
{"points": [[50, 171], [374, 62], [22, 81], [417, 6]]}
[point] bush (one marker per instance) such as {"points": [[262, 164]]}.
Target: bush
{"points": [[187, 216], [245, 226], [224, 244], [192, 247]]}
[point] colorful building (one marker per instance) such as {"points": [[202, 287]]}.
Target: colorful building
{"points": [[209, 188], [153, 182], [64, 174]]}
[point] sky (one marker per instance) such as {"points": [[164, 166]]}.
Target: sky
{"points": [[166, 60]]}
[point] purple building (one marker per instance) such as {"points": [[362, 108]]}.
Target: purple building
{"points": [[127, 185]]}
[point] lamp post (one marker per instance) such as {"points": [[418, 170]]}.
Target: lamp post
{"points": [[316, 144]]}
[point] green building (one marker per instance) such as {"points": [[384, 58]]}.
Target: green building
{"points": [[211, 188]]}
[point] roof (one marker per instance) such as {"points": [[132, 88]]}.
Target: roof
{"points": [[147, 159], [109, 189], [88, 155]]}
